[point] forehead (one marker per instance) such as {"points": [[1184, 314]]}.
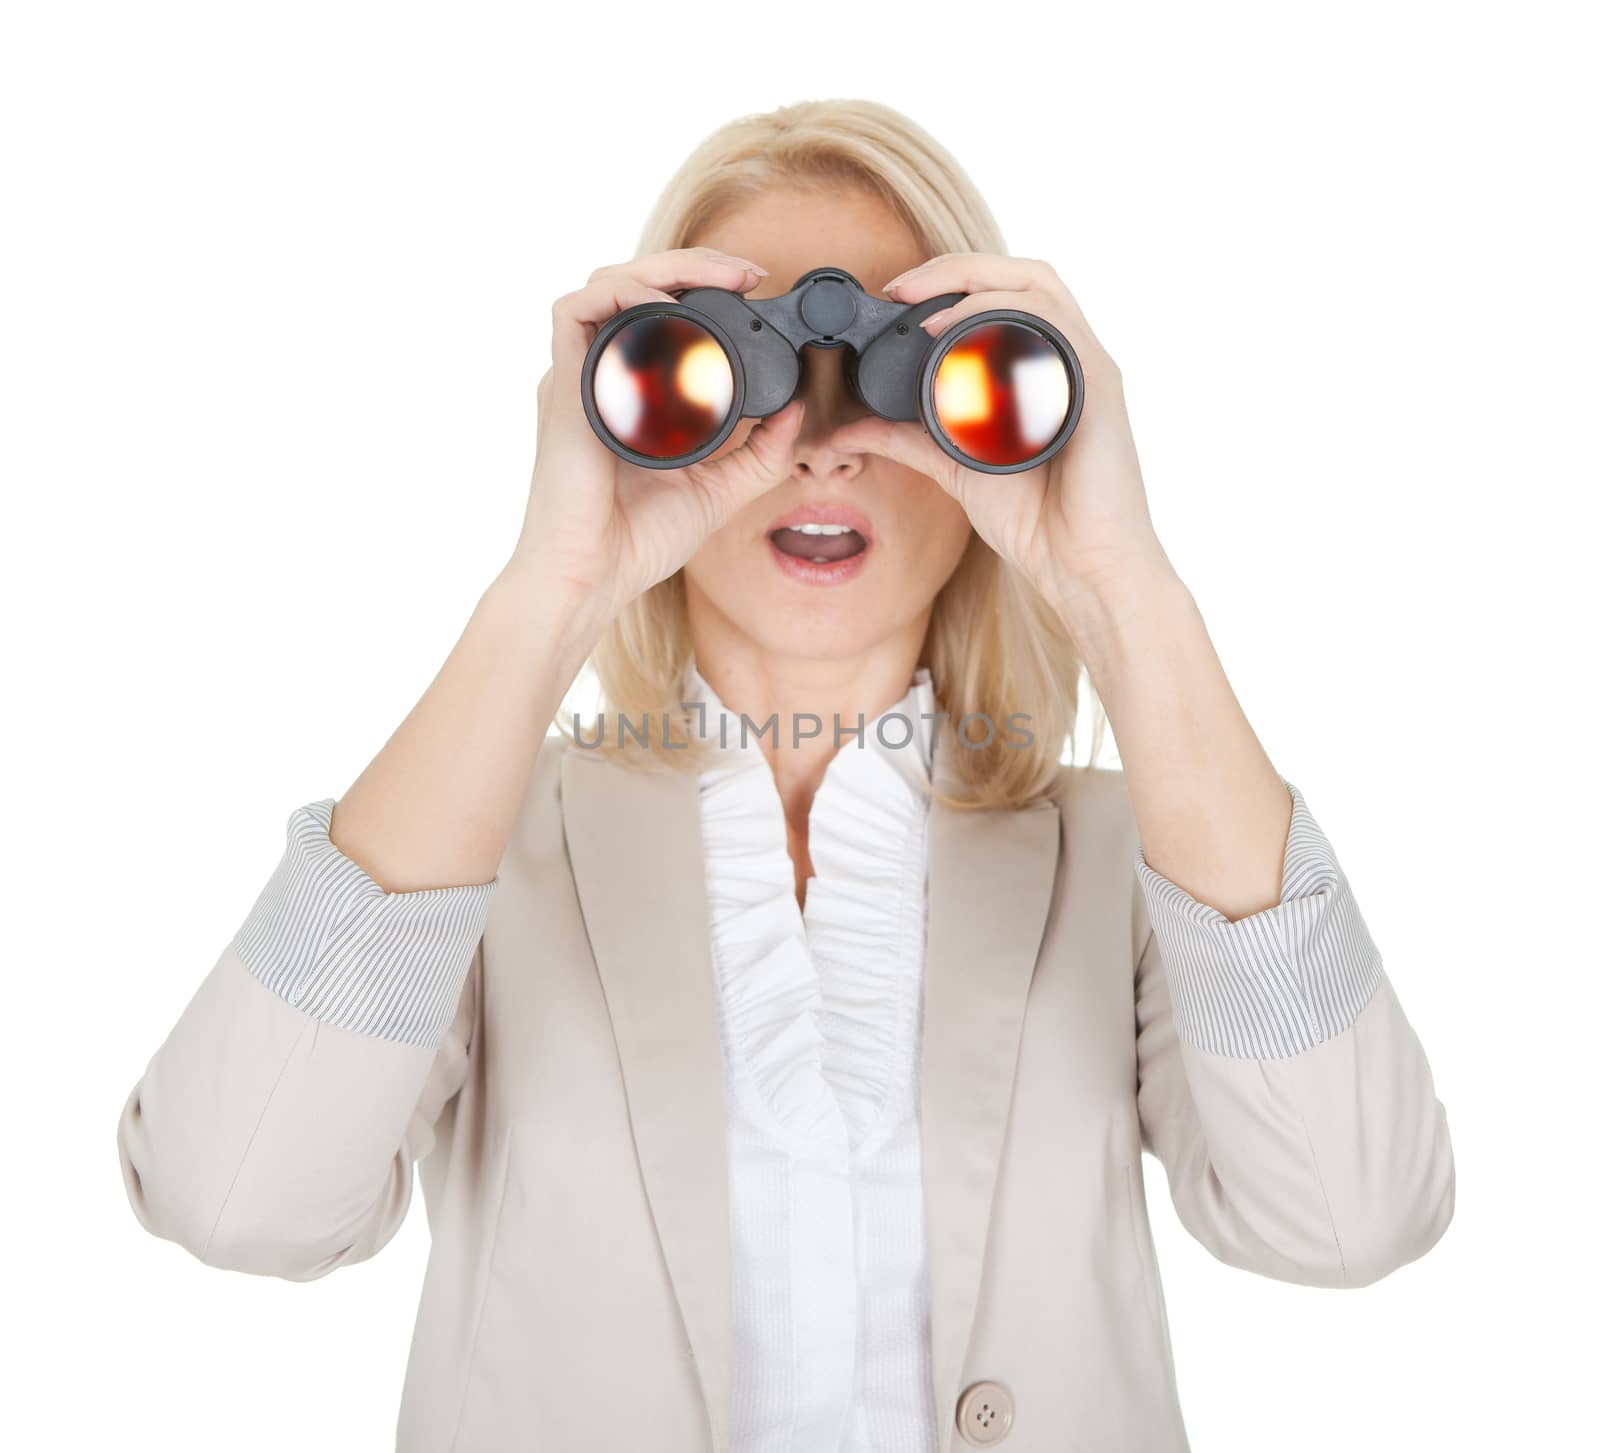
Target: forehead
{"points": [[791, 229]]}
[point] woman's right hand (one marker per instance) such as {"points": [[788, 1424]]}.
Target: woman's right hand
{"points": [[598, 530]]}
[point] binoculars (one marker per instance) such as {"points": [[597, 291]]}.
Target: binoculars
{"points": [[665, 383]]}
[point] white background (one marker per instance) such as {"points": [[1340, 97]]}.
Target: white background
{"points": [[276, 290]]}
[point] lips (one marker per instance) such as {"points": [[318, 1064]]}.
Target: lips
{"points": [[822, 544]]}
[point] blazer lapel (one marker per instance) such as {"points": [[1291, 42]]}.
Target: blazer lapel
{"points": [[991, 878], [633, 836]]}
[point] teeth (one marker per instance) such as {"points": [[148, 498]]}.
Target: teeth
{"points": [[809, 529]]}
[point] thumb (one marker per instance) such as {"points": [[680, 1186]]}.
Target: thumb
{"points": [[906, 443], [764, 460]]}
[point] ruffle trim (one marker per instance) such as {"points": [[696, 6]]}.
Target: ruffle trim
{"points": [[865, 919], [769, 989], [821, 1010]]}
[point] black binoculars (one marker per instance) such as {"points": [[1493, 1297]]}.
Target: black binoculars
{"points": [[665, 383]]}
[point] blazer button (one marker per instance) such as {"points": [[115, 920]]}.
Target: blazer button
{"points": [[984, 1414]]}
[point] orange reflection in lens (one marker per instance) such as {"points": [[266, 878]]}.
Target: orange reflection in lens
{"points": [[663, 385], [1002, 392]]}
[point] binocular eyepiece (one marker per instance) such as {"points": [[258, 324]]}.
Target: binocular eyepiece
{"points": [[665, 383]]}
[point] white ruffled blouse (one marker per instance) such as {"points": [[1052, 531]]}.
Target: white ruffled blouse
{"points": [[821, 1015]]}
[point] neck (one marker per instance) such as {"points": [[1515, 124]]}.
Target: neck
{"points": [[759, 682]]}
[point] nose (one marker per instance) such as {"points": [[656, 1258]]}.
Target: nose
{"points": [[829, 403]]}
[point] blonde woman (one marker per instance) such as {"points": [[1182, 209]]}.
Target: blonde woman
{"points": [[787, 1089]]}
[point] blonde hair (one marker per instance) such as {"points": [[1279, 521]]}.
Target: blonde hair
{"points": [[993, 646]]}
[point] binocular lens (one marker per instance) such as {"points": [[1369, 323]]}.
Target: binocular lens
{"points": [[1002, 392], [663, 385]]}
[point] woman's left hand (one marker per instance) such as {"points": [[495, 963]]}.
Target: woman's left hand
{"points": [[1077, 526]]}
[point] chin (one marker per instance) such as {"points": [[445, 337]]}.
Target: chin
{"points": [[782, 617], [808, 628]]}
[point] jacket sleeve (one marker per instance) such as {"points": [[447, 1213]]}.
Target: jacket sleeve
{"points": [[275, 1129], [1280, 1085]]}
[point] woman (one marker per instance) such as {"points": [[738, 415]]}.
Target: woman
{"points": [[788, 1090]]}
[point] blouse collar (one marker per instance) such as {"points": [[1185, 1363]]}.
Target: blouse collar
{"points": [[902, 735]]}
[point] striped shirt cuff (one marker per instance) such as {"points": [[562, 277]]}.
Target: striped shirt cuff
{"points": [[330, 941], [1277, 982]]}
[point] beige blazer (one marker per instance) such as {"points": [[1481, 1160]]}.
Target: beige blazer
{"points": [[571, 1139]]}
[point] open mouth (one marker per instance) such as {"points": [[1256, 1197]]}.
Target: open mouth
{"points": [[821, 544]]}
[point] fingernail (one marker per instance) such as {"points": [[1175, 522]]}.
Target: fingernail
{"points": [[744, 263], [934, 318]]}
